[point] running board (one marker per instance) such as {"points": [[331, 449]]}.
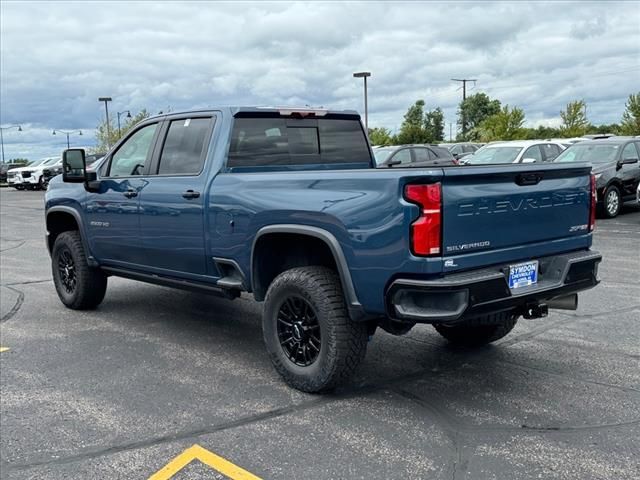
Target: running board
{"points": [[173, 282]]}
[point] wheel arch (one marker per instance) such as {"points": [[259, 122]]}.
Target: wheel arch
{"points": [[63, 219], [314, 237]]}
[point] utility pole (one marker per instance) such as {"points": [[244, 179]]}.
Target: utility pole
{"points": [[364, 75], [450, 135], [464, 97], [106, 100]]}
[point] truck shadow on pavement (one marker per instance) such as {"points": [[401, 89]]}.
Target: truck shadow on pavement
{"points": [[497, 387]]}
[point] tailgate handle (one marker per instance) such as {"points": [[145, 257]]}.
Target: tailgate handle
{"points": [[528, 178]]}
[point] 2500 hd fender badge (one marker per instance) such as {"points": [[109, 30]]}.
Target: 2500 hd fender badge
{"points": [[468, 246], [99, 224]]}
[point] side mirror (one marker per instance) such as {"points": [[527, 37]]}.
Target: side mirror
{"points": [[74, 166], [529, 160]]}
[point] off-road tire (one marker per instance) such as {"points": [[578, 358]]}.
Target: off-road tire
{"points": [[479, 331], [90, 283], [611, 211], [343, 342]]}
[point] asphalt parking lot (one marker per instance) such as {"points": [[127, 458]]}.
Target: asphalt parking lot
{"points": [[121, 391]]}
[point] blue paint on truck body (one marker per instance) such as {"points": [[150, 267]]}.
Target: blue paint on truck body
{"points": [[488, 218]]}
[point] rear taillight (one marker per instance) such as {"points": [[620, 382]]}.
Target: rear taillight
{"points": [[592, 211], [426, 234]]}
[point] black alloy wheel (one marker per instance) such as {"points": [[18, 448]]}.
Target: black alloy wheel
{"points": [[79, 286], [67, 271], [299, 331]]}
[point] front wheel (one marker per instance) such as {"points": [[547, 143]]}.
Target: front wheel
{"points": [[79, 286], [479, 331], [311, 340]]}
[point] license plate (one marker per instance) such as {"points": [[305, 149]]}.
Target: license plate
{"points": [[523, 274]]}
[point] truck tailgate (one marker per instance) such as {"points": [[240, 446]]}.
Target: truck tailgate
{"points": [[522, 209]]}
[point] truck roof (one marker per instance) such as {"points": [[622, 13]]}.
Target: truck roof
{"points": [[282, 110]]}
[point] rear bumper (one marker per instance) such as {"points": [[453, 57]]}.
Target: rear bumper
{"points": [[465, 295]]}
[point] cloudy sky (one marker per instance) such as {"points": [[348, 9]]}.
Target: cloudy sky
{"points": [[57, 58]]}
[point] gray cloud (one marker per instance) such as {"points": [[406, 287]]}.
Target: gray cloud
{"points": [[57, 59]]}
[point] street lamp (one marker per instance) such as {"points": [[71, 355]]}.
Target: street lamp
{"points": [[106, 100], [79, 132], [2, 137], [366, 107], [121, 113]]}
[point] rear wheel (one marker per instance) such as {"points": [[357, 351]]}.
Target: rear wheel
{"points": [[311, 340], [479, 331], [612, 202], [79, 286]]}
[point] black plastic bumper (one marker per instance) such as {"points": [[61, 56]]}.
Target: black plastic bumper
{"points": [[459, 296]]}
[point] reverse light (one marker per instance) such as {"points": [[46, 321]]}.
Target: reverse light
{"points": [[426, 237], [592, 210]]}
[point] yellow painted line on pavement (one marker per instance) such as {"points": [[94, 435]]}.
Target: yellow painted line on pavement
{"points": [[4, 349], [196, 452]]}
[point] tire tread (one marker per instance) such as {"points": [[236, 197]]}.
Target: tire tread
{"points": [[91, 282]]}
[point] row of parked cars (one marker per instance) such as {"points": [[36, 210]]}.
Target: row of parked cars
{"points": [[615, 160], [37, 174]]}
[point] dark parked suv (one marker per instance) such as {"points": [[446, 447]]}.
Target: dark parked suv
{"points": [[412, 156], [616, 165]]}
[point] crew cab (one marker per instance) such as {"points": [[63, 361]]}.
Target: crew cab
{"points": [[286, 204]]}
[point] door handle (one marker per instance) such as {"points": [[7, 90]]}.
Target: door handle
{"points": [[190, 194], [131, 193]]}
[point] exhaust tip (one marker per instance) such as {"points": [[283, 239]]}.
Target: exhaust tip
{"points": [[567, 302]]}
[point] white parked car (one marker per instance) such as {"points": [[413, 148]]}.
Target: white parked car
{"points": [[638, 194], [517, 151], [32, 176]]}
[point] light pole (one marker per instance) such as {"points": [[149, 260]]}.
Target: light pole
{"points": [[106, 100], [2, 137], [366, 108], [121, 113], [79, 132]]}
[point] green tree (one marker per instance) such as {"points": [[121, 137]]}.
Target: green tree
{"points": [[504, 125], [19, 161], [473, 111], [434, 125], [604, 128], [574, 119], [630, 124], [542, 132], [106, 137], [412, 128], [380, 136]]}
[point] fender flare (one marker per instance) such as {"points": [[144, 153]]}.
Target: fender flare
{"points": [[354, 306], [78, 218]]}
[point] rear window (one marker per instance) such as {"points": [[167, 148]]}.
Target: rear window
{"points": [[288, 141]]}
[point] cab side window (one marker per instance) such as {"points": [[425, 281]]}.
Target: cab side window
{"points": [[184, 148], [630, 151], [533, 152], [403, 156], [551, 151], [421, 154], [134, 154]]}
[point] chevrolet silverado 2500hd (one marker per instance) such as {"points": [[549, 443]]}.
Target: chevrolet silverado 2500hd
{"points": [[286, 204]]}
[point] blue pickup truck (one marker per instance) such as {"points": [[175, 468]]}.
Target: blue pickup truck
{"points": [[287, 204]]}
